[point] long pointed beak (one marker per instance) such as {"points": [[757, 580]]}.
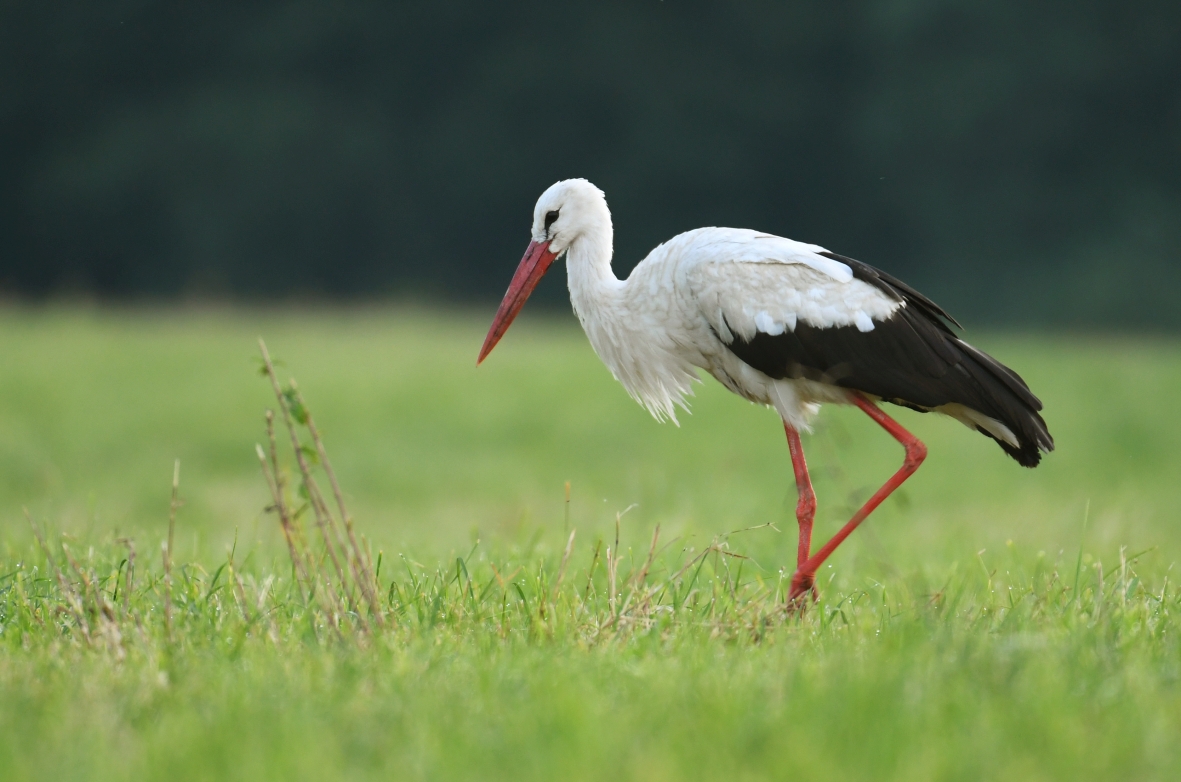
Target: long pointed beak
{"points": [[533, 267]]}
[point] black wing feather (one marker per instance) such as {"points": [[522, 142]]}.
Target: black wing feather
{"points": [[912, 359], [896, 288]]}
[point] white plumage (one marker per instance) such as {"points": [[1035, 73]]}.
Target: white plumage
{"points": [[781, 323], [692, 295]]}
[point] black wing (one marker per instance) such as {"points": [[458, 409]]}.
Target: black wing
{"points": [[912, 359]]}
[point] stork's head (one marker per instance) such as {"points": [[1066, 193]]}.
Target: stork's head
{"points": [[567, 212]]}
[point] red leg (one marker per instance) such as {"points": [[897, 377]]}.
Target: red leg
{"points": [[806, 507], [805, 576]]}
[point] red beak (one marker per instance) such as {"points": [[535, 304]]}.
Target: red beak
{"points": [[533, 267]]}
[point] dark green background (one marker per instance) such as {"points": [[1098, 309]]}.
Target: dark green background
{"points": [[1019, 161]]}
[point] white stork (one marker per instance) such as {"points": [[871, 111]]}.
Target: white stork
{"points": [[781, 323]]}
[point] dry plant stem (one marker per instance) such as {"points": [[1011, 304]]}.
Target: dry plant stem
{"points": [[71, 594], [261, 608], [307, 574], [305, 564], [566, 518], [369, 562], [562, 567], [335, 550], [590, 574], [1098, 601], [24, 599], [639, 578], [102, 608], [108, 625], [611, 562], [236, 585], [709, 550], [1123, 576], [168, 551], [611, 582], [613, 566], [280, 507], [361, 572], [314, 498], [333, 542], [130, 578], [301, 554]]}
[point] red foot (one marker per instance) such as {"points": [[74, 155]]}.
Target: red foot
{"points": [[801, 584]]}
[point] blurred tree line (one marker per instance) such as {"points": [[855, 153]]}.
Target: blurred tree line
{"points": [[1020, 162]]}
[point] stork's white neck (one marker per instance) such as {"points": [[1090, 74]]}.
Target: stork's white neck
{"points": [[593, 284], [619, 326]]}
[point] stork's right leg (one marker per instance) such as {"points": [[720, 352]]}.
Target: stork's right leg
{"points": [[806, 506], [804, 578]]}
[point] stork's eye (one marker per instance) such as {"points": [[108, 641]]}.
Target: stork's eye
{"points": [[550, 217]]}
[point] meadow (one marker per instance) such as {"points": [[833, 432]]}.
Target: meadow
{"points": [[988, 621]]}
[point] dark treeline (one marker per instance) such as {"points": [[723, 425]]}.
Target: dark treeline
{"points": [[1020, 162]]}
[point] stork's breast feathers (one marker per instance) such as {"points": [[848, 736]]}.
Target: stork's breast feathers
{"points": [[742, 298]]}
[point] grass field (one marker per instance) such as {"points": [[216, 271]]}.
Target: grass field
{"points": [[987, 622]]}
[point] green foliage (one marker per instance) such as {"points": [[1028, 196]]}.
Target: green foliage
{"points": [[498, 668], [976, 631], [298, 412]]}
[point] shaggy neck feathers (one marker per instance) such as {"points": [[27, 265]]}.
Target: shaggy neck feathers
{"points": [[614, 320]]}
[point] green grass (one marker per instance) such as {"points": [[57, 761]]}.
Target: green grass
{"points": [[972, 629]]}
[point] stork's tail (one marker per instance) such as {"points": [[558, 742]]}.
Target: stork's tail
{"points": [[1006, 399]]}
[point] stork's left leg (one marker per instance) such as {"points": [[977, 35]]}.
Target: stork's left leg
{"points": [[805, 576], [806, 505]]}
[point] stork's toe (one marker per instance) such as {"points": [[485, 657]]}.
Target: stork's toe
{"points": [[803, 586]]}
